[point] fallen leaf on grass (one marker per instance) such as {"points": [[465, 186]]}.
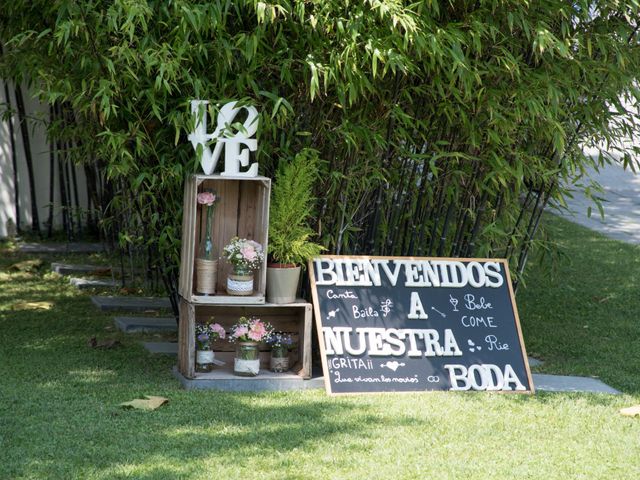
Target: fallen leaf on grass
{"points": [[151, 403], [32, 306], [26, 266], [631, 411], [94, 343]]}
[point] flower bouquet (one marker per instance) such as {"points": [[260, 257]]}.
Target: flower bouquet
{"points": [[280, 345], [207, 262], [245, 256], [247, 333], [206, 333]]}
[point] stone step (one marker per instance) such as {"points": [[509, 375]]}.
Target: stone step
{"points": [[565, 383], [224, 379], [146, 324], [85, 283], [534, 362], [162, 348], [132, 304], [68, 247], [69, 269]]}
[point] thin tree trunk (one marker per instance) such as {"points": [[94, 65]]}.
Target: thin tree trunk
{"points": [[61, 181], [51, 177], [77, 200], [24, 130], [14, 159], [67, 182]]}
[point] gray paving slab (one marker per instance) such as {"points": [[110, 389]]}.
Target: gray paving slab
{"points": [[269, 381], [564, 383], [146, 324], [534, 362], [86, 283], [162, 348], [621, 205], [69, 247], [132, 304], [70, 269], [266, 381]]}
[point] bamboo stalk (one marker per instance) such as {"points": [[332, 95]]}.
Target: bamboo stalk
{"points": [[14, 159], [51, 177], [26, 143]]}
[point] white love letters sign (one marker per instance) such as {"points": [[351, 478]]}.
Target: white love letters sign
{"points": [[235, 156]]}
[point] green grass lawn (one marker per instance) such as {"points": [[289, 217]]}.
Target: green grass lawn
{"points": [[59, 414]]}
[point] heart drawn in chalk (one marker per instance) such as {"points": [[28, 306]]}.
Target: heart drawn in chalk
{"points": [[392, 365], [473, 347]]}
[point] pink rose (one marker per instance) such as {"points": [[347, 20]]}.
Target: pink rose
{"points": [[255, 245], [248, 253], [206, 198]]}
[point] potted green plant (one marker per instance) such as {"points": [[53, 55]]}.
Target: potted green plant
{"points": [[292, 203]]}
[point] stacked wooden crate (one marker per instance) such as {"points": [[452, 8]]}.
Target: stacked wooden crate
{"points": [[242, 211]]}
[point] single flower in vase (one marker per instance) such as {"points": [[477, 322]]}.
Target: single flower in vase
{"points": [[245, 256], [207, 261], [206, 334], [280, 344], [247, 333]]}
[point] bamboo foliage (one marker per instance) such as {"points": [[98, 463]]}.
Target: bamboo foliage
{"points": [[445, 127]]}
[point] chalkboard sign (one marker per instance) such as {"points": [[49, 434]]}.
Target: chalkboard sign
{"points": [[394, 324]]}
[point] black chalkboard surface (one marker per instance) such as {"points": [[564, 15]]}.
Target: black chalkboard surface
{"points": [[396, 324]]}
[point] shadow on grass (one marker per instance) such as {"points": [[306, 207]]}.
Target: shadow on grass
{"points": [[194, 430]]}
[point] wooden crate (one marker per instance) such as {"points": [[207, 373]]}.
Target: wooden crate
{"points": [[242, 211], [294, 318]]}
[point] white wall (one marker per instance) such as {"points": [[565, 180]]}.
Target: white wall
{"points": [[41, 166]]}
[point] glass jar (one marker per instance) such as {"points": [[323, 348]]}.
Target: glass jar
{"points": [[240, 282], [247, 360], [204, 360], [279, 358]]}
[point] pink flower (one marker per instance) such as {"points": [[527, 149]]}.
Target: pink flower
{"points": [[217, 328], [249, 253], [240, 331], [258, 328], [255, 245], [206, 198], [255, 336]]}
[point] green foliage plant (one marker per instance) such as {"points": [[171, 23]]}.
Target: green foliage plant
{"points": [[292, 209], [447, 127]]}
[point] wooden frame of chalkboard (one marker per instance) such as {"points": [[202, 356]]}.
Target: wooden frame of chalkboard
{"points": [[407, 324]]}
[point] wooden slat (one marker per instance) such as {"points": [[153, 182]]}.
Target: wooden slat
{"points": [[186, 340], [187, 254], [262, 230], [305, 344], [247, 210], [222, 298], [228, 226]]}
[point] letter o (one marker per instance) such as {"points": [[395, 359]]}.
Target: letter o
{"points": [[475, 267], [483, 377]]}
